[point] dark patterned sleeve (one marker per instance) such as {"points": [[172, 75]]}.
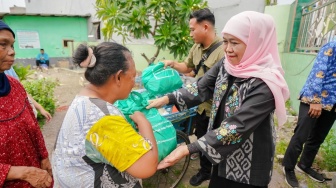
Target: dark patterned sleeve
{"points": [[197, 92], [234, 130]]}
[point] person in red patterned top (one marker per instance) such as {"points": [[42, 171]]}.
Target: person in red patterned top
{"points": [[24, 158]]}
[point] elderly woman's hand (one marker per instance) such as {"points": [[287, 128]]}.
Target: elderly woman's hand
{"points": [[45, 165], [174, 157], [46, 114], [37, 177], [157, 103], [139, 119]]}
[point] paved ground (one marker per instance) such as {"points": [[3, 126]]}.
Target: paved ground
{"points": [[70, 85]]}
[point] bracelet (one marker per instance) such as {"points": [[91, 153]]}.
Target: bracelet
{"points": [[149, 142]]}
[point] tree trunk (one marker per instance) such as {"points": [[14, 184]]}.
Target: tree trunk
{"points": [[151, 60]]}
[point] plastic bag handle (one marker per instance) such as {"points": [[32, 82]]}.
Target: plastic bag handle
{"points": [[158, 66], [137, 98]]}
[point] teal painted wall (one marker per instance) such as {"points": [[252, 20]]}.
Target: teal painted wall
{"points": [[52, 31], [297, 66], [283, 12]]}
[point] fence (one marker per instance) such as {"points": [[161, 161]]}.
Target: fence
{"points": [[317, 25]]}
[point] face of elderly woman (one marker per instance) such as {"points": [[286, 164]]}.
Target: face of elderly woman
{"points": [[234, 48], [6, 50]]}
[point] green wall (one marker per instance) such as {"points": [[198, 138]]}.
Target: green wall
{"points": [[149, 50], [52, 31], [283, 12], [297, 66]]}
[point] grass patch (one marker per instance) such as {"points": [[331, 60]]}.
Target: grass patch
{"points": [[281, 147], [289, 108]]}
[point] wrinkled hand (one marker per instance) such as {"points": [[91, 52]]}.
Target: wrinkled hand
{"points": [[315, 110], [174, 157], [168, 63], [158, 103], [138, 118], [38, 178], [46, 114], [46, 165]]}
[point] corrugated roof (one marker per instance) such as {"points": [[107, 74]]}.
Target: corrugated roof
{"points": [[2, 14]]}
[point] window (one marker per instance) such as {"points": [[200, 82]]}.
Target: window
{"points": [[66, 43], [96, 28]]}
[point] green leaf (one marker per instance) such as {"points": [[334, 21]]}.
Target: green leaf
{"points": [[167, 21]]}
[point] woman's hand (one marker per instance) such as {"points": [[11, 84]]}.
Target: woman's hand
{"points": [[315, 110], [174, 157], [46, 114], [37, 177], [139, 118], [157, 103], [46, 165]]}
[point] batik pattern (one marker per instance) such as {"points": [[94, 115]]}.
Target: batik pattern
{"points": [[320, 87]]}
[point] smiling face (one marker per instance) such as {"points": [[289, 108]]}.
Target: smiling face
{"points": [[6, 50], [234, 48]]}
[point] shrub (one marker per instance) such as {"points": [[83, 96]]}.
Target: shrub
{"points": [[329, 152], [43, 92], [22, 71]]}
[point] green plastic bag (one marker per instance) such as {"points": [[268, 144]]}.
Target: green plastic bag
{"points": [[164, 132], [158, 81], [135, 101], [163, 129]]}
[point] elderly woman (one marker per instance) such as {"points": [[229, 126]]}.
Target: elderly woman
{"points": [[96, 146], [247, 86], [23, 156]]}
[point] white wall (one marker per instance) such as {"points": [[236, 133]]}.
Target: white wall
{"points": [[5, 4], [225, 9]]}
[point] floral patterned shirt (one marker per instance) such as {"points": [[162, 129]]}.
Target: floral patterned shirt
{"points": [[21, 140], [241, 135], [320, 87]]}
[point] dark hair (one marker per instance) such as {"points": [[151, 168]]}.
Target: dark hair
{"points": [[110, 58], [41, 49], [203, 14]]}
